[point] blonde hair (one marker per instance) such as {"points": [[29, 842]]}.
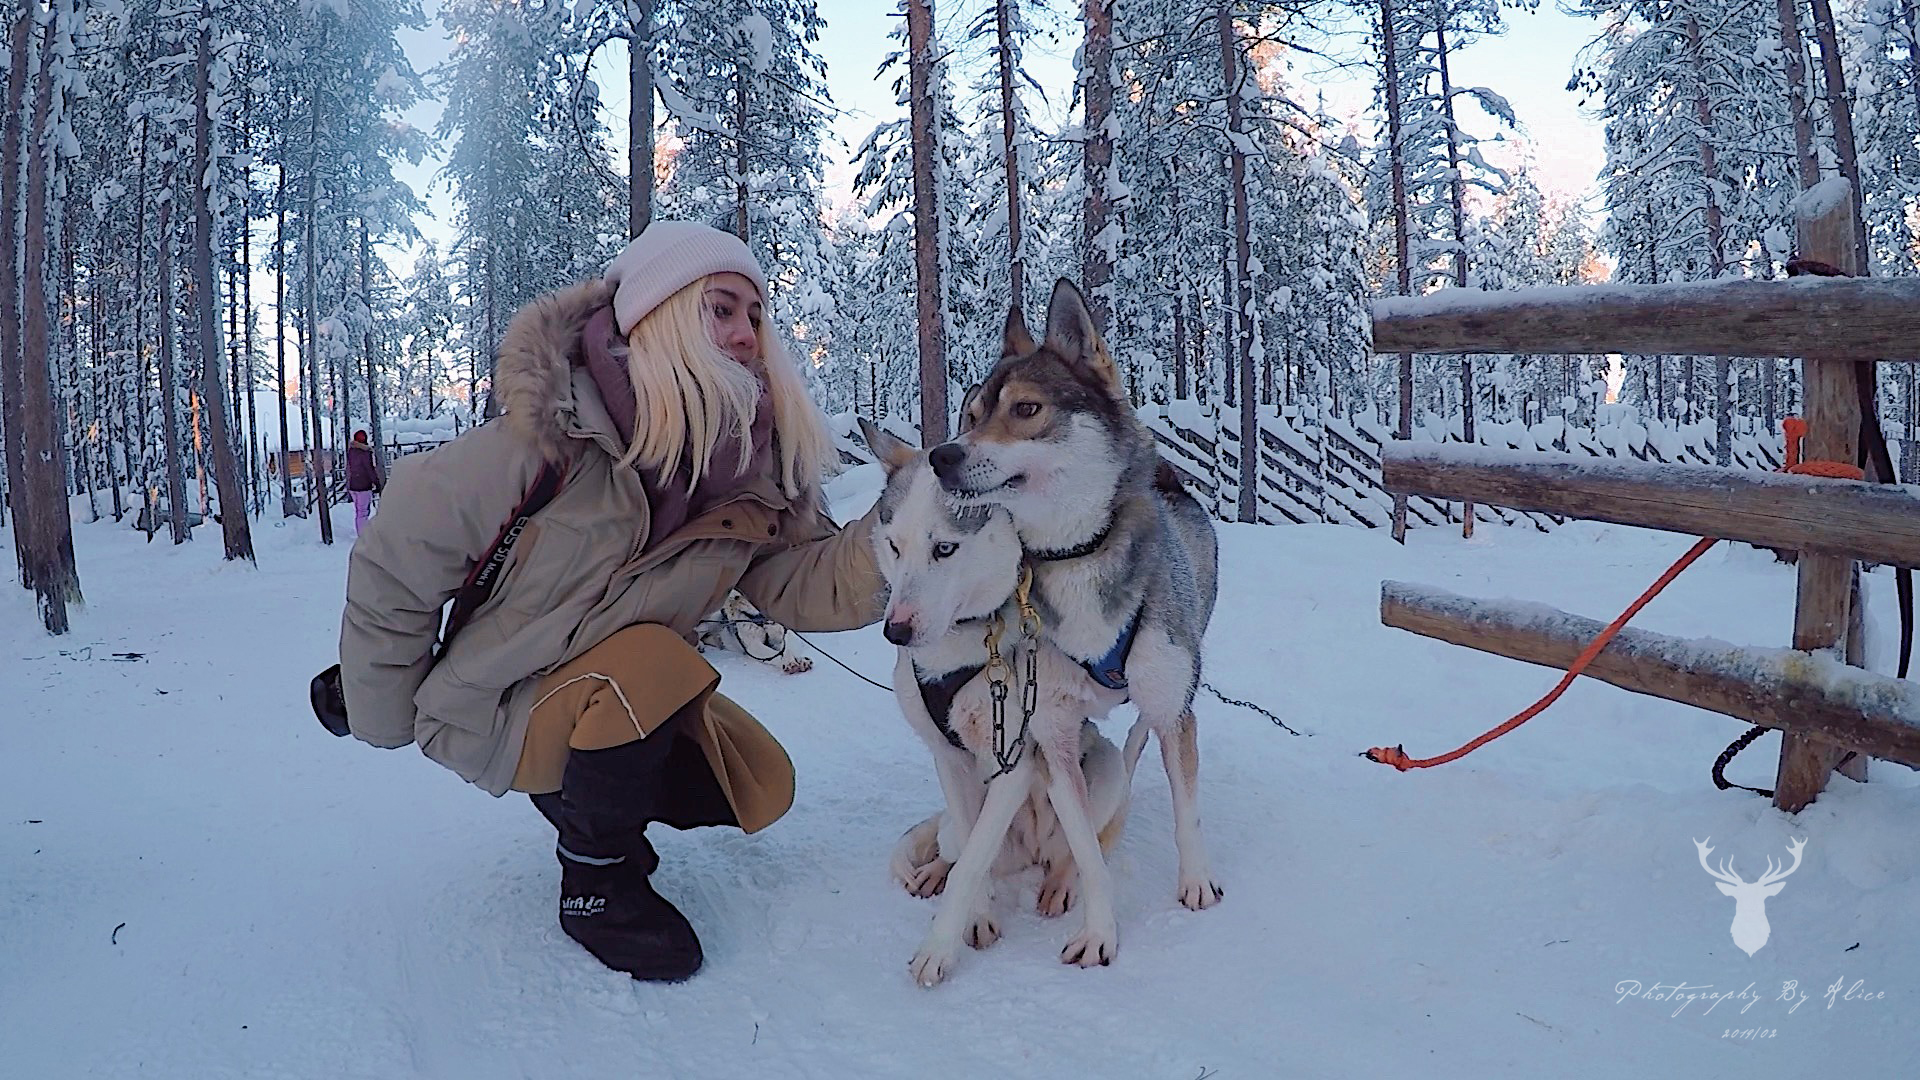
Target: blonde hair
{"points": [[688, 393]]}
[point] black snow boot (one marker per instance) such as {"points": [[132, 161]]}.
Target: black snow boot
{"points": [[607, 900], [611, 909]]}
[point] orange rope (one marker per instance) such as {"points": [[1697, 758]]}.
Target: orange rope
{"points": [[1796, 431]]}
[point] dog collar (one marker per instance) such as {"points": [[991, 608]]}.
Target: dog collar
{"points": [[1077, 551]]}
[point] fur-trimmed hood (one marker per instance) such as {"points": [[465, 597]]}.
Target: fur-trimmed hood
{"points": [[534, 376]]}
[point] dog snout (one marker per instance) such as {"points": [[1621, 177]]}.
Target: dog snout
{"points": [[899, 632], [946, 460]]}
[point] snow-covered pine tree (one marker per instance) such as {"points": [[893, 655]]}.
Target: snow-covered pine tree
{"points": [[426, 330], [744, 85], [1884, 56], [529, 169], [207, 106], [906, 171]]}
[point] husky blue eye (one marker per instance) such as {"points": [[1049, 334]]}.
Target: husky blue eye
{"points": [[944, 548], [1026, 409]]}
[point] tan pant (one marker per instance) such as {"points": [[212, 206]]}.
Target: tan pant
{"points": [[624, 689]]}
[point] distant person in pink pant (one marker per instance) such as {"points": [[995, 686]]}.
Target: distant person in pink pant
{"points": [[363, 479]]}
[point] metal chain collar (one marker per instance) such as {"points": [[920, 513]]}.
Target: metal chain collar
{"points": [[1008, 756]]}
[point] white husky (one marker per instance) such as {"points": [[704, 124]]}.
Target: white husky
{"points": [[952, 572]]}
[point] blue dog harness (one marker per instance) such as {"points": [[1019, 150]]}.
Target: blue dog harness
{"points": [[1110, 670]]}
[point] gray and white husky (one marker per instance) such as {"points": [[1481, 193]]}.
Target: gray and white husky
{"points": [[951, 570], [1126, 561]]}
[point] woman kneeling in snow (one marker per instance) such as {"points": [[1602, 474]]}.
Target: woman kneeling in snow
{"points": [[691, 457]]}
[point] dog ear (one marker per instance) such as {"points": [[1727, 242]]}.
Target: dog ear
{"points": [[890, 451], [1071, 333], [966, 404], [1014, 340]]}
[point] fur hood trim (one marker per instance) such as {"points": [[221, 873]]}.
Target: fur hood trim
{"points": [[533, 374]]}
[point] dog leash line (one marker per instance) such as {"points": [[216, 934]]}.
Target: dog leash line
{"points": [[1279, 723], [837, 660]]}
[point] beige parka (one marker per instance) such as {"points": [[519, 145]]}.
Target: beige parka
{"points": [[584, 568]]}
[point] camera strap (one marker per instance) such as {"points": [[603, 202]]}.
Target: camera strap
{"points": [[485, 574]]}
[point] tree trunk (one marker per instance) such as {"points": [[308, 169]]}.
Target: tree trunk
{"points": [[246, 329], [1910, 450], [1403, 279], [1797, 96], [317, 487], [1229, 320], [11, 415], [373, 391], [1197, 348], [492, 407], [234, 525], [1659, 362], [1716, 244], [640, 117], [339, 370], [195, 402], [1010, 160], [76, 427], [280, 339], [55, 580], [1182, 390], [109, 392], [230, 349], [149, 491], [1241, 293], [1840, 109], [930, 306], [169, 376], [1458, 195], [740, 151], [1096, 149]]}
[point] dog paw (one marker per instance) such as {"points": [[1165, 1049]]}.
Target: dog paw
{"points": [[933, 963], [928, 880], [1093, 945], [983, 932], [798, 665], [1200, 893], [1057, 892]]}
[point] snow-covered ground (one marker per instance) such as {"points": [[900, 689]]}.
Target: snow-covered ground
{"points": [[196, 881]]}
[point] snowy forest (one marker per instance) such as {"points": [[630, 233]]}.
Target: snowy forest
{"points": [[214, 273]]}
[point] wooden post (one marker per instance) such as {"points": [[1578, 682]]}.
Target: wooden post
{"points": [[1823, 610]]}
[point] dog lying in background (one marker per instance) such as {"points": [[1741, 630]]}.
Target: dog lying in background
{"points": [[740, 627], [951, 573]]}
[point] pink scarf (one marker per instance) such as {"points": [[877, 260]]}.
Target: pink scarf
{"points": [[605, 356]]}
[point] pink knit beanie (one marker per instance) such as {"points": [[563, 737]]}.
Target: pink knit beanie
{"points": [[669, 256]]}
